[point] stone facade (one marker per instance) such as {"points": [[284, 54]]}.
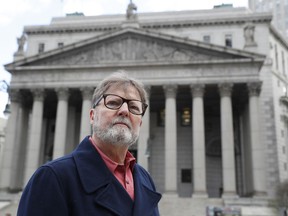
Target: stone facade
{"points": [[277, 8], [216, 126]]}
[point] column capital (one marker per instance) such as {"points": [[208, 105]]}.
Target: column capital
{"points": [[15, 95], [87, 93], [225, 89], [197, 90], [38, 94], [148, 90], [254, 88], [62, 93], [170, 90]]}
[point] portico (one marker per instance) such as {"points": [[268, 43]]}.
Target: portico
{"points": [[182, 146], [199, 102]]}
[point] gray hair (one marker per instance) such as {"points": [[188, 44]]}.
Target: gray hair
{"points": [[121, 79]]}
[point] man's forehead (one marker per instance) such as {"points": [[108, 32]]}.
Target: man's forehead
{"points": [[127, 89]]}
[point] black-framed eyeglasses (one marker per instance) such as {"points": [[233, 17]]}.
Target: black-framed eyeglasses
{"points": [[114, 102]]}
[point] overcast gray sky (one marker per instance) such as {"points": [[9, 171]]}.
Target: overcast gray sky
{"points": [[15, 14]]}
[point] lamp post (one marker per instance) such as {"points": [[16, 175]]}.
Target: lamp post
{"points": [[4, 87]]}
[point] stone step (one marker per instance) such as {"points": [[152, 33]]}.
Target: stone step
{"points": [[9, 209], [172, 205]]}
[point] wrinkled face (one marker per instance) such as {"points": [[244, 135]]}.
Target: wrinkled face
{"points": [[117, 127]]}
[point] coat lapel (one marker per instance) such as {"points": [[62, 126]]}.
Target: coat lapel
{"points": [[116, 199], [95, 176], [146, 199]]}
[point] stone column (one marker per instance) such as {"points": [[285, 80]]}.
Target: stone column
{"points": [[227, 141], [170, 140], [61, 123], [258, 159], [34, 144], [143, 142], [20, 147], [85, 128], [198, 133], [10, 140]]}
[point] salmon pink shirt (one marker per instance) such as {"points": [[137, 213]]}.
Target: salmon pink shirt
{"points": [[122, 172]]}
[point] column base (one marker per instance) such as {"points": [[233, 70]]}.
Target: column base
{"points": [[170, 194], [229, 195], [258, 194], [200, 194]]}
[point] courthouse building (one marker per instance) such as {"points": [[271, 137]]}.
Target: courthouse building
{"points": [[216, 128]]}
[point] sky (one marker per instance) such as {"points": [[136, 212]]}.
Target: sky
{"points": [[15, 14]]}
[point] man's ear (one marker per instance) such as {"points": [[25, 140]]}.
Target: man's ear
{"points": [[91, 116]]}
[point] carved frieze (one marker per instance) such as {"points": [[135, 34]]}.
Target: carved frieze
{"points": [[127, 49]]}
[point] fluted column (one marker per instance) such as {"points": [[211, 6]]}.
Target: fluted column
{"points": [[198, 133], [227, 141], [143, 142], [170, 140], [85, 128], [61, 123], [258, 159], [34, 145], [10, 140]]}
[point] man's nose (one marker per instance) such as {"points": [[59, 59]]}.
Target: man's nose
{"points": [[124, 110]]}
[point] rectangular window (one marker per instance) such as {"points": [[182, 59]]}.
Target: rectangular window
{"points": [[283, 63], [60, 44], [207, 38], [41, 47], [276, 57], [186, 176], [228, 40]]}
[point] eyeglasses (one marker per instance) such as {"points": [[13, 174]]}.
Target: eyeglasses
{"points": [[114, 102]]}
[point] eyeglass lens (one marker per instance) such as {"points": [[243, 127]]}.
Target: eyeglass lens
{"points": [[115, 102]]}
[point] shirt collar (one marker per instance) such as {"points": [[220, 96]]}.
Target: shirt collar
{"points": [[112, 165]]}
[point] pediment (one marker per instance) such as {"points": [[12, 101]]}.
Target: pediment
{"points": [[133, 46]]}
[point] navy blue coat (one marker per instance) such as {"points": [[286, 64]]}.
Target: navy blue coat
{"points": [[80, 184]]}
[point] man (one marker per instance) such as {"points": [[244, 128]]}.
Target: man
{"points": [[100, 177]]}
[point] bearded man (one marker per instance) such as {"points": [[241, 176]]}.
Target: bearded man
{"points": [[100, 177]]}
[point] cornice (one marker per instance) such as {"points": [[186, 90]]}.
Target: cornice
{"points": [[207, 21], [156, 20], [282, 39], [34, 30], [239, 54], [256, 61]]}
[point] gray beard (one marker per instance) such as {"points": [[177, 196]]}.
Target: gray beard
{"points": [[114, 134]]}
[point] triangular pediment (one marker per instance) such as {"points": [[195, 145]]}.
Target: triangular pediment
{"points": [[133, 46]]}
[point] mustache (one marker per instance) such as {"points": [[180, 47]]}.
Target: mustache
{"points": [[122, 120]]}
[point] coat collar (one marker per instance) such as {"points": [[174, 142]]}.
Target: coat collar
{"points": [[91, 168], [95, 176], [144, 194]]}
